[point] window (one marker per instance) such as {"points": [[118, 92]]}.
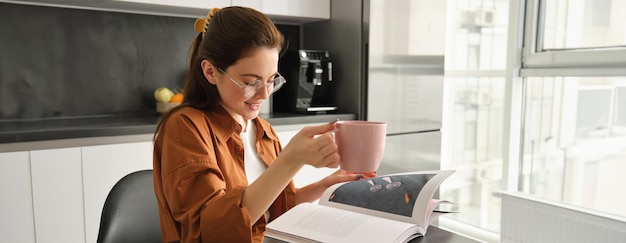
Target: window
{"points": [[574, 144], [581, 24], [574, 36], [534, 101], [573, 138]]}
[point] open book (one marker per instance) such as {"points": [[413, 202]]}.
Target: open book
{"points": [[389, 208]]}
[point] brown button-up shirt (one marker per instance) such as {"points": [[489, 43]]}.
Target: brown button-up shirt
{"points": [[199, 177]]}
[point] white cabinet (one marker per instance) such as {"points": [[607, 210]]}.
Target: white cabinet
{"points": [[16, 206], [289, 11], [203, 4], [57, 195], [103, 166], [186, 8], [312, 9], [308, 174]]}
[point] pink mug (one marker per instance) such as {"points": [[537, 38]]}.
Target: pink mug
{"points": [[361, 145]]}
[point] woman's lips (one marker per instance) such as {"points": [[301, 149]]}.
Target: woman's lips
{"points": [[254, 106]]}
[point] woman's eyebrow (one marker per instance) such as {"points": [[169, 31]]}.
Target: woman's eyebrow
{"points": [[257, 76]]}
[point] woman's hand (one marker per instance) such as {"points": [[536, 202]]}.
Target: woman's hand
{"points": [[314, 191], [313, 145]]}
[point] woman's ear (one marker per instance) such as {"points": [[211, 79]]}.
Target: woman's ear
{"points": [[209, 70]]}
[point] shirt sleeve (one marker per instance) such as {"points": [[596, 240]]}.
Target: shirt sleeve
{"points": [[196, 187]]}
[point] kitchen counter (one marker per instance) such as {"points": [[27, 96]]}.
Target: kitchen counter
{"points": [[15, 131]]}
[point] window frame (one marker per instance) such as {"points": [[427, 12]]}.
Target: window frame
{"points": [[603, 61]]}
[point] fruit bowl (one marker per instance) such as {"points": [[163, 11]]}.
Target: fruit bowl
{"points": [[163, 107]]}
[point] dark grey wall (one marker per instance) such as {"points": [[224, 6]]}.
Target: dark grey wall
{"points": [[58, 62]]}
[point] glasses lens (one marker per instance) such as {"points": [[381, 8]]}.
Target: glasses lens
{"points": [[278, 82], [249, 90]]}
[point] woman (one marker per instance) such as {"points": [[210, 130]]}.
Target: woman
{"points": [[219, 171]]}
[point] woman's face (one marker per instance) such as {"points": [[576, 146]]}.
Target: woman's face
{"points": [[260, 64]]}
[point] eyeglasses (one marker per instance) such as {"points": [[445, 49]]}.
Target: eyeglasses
{"points": [[251, 88]]}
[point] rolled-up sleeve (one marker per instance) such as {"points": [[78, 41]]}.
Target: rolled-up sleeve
{"points": [[210, 212]]}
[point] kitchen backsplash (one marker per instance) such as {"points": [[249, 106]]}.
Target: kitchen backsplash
{"points": [[61, 62]]}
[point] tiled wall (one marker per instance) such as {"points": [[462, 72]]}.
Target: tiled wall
{"points": [[60, 62]]}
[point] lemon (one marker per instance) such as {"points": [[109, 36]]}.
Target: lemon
{"points": [[163, 94]]}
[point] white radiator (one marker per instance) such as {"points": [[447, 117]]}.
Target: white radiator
{"points": [[529, 219]]}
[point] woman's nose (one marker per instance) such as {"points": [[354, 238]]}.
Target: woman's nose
{"points": [[263, 92]]}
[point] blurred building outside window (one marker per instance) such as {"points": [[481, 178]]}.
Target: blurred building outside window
{"points": [[572, 141]]}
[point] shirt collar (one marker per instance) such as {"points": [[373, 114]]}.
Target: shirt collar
{"points": [[263, 127], [226, 126]]}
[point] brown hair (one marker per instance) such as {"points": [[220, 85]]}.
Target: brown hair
{"points": [[230, 35]]}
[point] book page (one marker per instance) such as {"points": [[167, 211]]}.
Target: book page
{"points": [[309, 222], [405, 197]]}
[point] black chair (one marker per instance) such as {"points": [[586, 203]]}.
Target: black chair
{"points": [[130, 212]]}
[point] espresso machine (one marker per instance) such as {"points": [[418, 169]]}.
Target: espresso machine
{"points": [[309, 87]]}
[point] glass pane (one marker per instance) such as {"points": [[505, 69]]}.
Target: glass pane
{"points": [[474, 136], [406, 58], [477, 34], [476, 40], [571, 24], [575, 141]]}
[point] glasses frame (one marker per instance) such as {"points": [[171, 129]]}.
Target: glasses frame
{"points": [[250, 89]]}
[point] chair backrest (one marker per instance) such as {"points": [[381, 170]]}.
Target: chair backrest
{"points": [[130, 212]]}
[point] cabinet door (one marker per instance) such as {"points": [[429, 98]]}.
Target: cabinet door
{"points": [[309, 8], [308, 174], [16, 206], [317, 9], [203, 4], [160, 7], [278, 7], [103, 166], [57, 195]]}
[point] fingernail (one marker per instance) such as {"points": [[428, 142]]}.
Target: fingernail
{"points": [[332, 122], [359, 176]]}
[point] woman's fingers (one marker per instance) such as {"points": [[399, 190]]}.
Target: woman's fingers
{"points": [[311, 131], [315, 146], [328, 151]]}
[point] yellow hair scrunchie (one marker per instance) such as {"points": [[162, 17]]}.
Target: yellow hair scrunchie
{"points": [[201, 25]]}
